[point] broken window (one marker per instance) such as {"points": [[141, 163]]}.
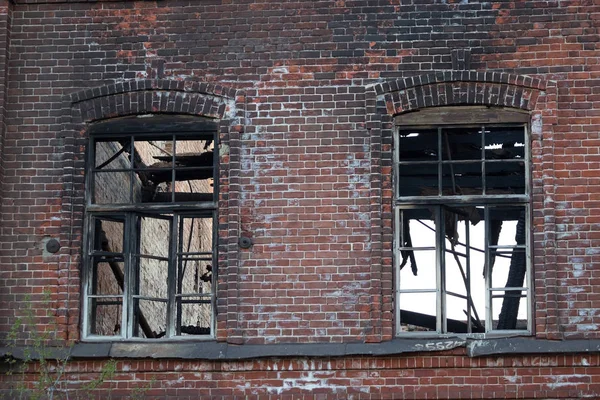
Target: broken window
{"points": [[462, 254], [150, 224]]}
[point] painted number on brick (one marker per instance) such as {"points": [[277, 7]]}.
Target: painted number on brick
{"points": [[444, 345]]}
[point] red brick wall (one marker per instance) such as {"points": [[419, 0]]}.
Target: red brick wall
{"points": [[5, 17], [421, 376], [307, 175]]}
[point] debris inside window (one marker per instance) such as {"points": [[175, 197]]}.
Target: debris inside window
{"points": [[151, 235], [461, 229]]}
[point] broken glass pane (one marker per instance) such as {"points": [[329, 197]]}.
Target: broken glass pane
{"points": [[461, 144], [418, 180], [418, 145], [465, 297], [108, 277], [509, 310], [509, 269], [109, 235], [154, 152], [195, 258], [112, 154], [423, 276], [155, 234], [462, 179], [417, 312], [112, 187], [196, 316], [105, 316], [195, 275], [505, 177], [417, 222], [153, 278], [504, 143], [195, 170], [512, 225], [151, 318]]}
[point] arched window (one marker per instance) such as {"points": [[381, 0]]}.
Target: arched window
{"points": [[151, 209], [462, 212]]}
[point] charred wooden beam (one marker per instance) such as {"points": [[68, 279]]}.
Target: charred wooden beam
{"points": [[115, 155], [183, 175], [189, 330], [165, 197], [189, 159], [120, 278], [197, 167], [495, 229], [430, 322], [408, 254], [516, 277]]}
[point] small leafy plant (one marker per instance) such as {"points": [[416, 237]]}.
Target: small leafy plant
{"points": [[40, 357]]}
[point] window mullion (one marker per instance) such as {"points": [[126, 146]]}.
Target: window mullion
{"points": [[468, 284], [132, 168], [215, 272], [172, 273], [483, 177], [398, 224], [528, 270], [91, 176], [527, 144], [128, 289], [87, 274], [488, 270], [440, 272], [440, 165], [173, 168]]}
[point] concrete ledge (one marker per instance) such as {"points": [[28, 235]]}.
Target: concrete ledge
{"points": [[223, 351], [477, 348]]}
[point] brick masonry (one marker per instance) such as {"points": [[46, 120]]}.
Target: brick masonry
{"points": [[305, 93]]}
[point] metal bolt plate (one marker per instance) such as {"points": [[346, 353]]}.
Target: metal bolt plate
{"points": [[245, 242], [52, 246]]}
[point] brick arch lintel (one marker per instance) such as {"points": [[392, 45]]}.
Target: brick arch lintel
{"points": [[446, 88], [155, 96]]}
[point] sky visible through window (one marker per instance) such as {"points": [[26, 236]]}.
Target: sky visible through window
{"points": [[422, 232]]}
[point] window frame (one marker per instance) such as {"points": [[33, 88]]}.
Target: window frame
{"points": [[178, 128], [449, 117]]}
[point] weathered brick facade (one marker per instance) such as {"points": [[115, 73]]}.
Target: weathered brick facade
{"points": [[305, 93]]}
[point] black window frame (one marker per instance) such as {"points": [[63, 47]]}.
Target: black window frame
{"points": [[440, 202], [145, 128]]}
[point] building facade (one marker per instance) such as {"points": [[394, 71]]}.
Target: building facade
{"points": [[325, 199]]}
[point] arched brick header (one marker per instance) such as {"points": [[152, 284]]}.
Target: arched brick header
{"points": [[155, 96], [448, 88], [385, 100]]}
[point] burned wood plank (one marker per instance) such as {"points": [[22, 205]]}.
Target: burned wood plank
{"points": [[408, 254], [200, 167], [155, 123], [189, 159], [165, 197], [462, 115], [430, 322]]}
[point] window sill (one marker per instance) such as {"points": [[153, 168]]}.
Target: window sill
{"points": [[210, 350]]}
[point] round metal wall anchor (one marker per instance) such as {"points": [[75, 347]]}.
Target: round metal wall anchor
{"points": [[52, 246], [245, 242]]}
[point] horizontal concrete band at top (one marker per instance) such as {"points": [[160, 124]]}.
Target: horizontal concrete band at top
{"points": [[210, 350]]}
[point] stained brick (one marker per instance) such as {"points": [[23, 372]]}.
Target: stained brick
{"points": [[305, 92]]}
